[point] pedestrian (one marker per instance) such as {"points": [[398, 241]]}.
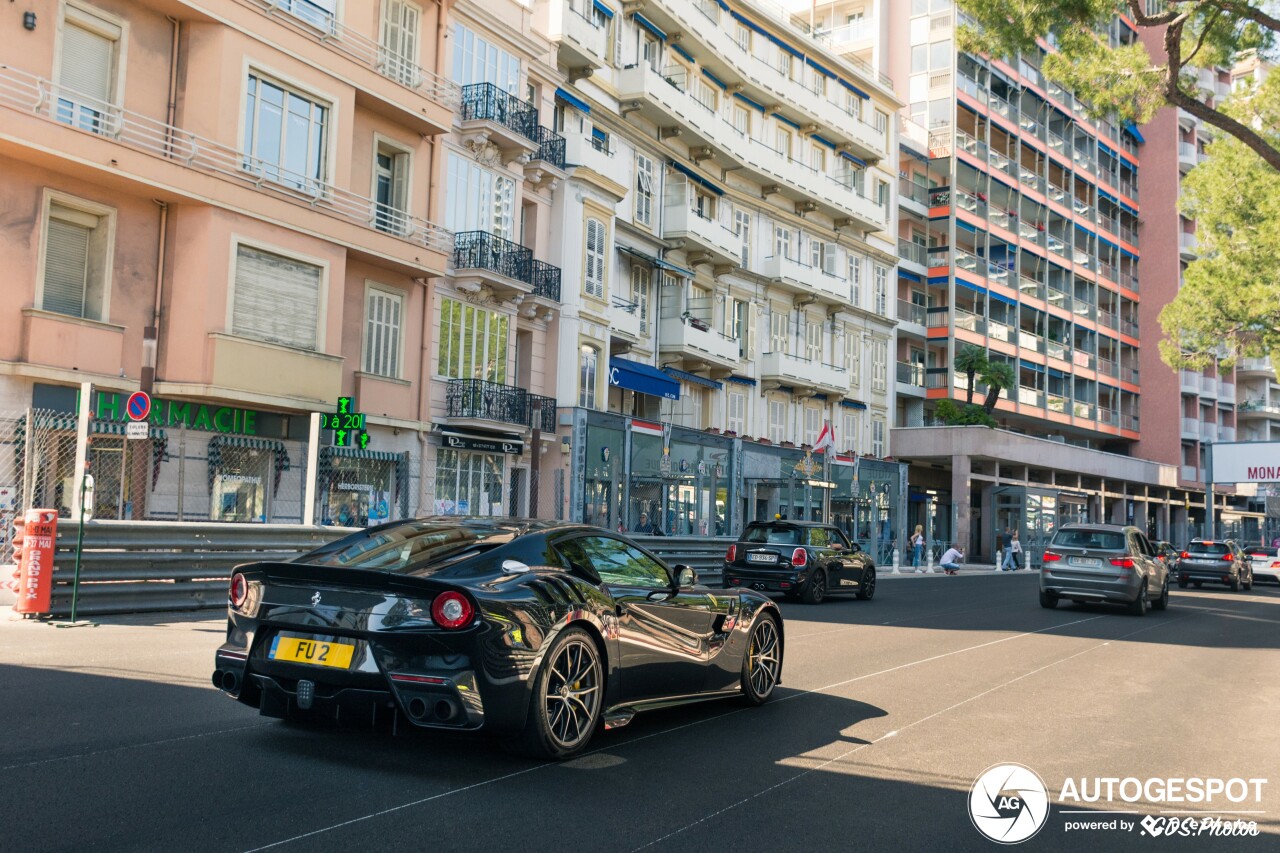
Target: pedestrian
{"points": [[951, 560], [917, 547], [1016, 548], [647, 527], [1006, 548]]}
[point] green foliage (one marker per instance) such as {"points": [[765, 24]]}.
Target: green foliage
{"points": [[952, 413], [1229, 305], [998, 376], [971, 360]]}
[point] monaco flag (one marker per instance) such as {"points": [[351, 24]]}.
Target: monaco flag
{"points": [[826, 438]]}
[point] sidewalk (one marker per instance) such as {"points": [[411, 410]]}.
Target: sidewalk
{"points": [[965, 569]]}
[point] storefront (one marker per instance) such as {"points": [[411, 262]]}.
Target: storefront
{"points": [[244, 476], [869, 503], [362, 488], [475, 473], [681, 479], [781, 482]]}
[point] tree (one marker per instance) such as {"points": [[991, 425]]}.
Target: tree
{"points": [[999, 375], [952, 414], [971, 360], [1126, 80], [1229, 305]]}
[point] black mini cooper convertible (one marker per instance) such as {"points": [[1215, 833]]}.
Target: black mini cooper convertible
{"points": [[535, 629]]}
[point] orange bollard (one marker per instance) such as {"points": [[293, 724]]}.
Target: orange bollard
{"points": [[36, 536]]}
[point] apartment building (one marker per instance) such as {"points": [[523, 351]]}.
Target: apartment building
{"points": [[235, 206], [725, 234]]}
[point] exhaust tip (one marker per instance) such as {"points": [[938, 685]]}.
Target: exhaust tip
{"points": [[230, 681], [417, 709], [444, 710]]}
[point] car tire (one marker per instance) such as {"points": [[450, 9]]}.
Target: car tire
{"points": [[1138, 607], [816, 589], [1235, 584], [563, 715], [1162, 603], [1197, 584], [762, 663], [1048, 600], [1182, 584], [1249, 584], [868, 587]]}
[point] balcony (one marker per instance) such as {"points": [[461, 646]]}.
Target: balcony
{"points": [[1190, 429], [72, 343], [1187, 158], [505, 267], [1208, 432], [803, 279], [1226, 433], [1188, 246], [551, 148], [581, 150], [1255, 366], [582, 44], [490, 114], [911, 374], [625, 320], [1226, 392], [794, 371], [699, 347], [913, 252], [1257, 408], [1209, 387], [910, 191], [1190, 474], [1189, 381], [482, 403], [295, 374], [704, 240], [909, 312]]}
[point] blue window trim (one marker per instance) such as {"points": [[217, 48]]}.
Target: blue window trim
{"points": [[573, 101], [644, 22], [603, 9], [714, 79], [696, 178], [748, 101]]}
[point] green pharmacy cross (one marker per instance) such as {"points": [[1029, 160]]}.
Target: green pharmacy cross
{"points": [[347, 424]]}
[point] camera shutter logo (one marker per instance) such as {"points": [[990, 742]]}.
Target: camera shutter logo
{"points": [[1009, 803]]}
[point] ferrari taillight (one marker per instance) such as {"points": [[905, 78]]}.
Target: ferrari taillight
{"points": [[238, 591], [731, 554], [452, 610], [799, 557]]}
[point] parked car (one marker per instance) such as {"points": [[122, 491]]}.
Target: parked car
{"points": [[1096, 563], [1265, 562], [805, 560], [1215, 561], [538, 630], [1169, 554]]}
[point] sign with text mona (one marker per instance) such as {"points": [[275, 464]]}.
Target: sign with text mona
{"points": [[1246, 462], [109, 406]]}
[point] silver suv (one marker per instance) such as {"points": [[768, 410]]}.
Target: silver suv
{"points": [[1104, 563]]}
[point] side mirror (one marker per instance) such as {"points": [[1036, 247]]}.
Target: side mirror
{"points": [[685, 576], [854, 547]]}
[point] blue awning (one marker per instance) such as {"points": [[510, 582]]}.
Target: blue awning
{"points": [[780, 117], [747, 100], [642, 378], [1103, 146], [573, 101], [1001, 298], [910, 276], [680, 50], [740, 380], [693, 377], [602, 9], [751, 25], [1108, 242], [820, 69], [971, 286], [1031, 365], [1108, 196], [846, 155], [696, 178], [852, 404], [854, 89], [827, 142], [714, 79], [1132, 129], [648, 25], [966, 226]]}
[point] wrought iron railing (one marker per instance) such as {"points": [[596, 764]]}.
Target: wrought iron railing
{"points": [[480, 250], [493, 401], [546, 280], [485, 101], [550, 146]]}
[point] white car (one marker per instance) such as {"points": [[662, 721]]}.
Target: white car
{"points": [[1266, 563]]}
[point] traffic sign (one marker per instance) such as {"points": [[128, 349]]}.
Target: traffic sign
{"points": [[137, 430], [138, 406]]}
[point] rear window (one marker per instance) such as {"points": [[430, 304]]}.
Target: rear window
{"points": [[1263, 552], [407, 547], [1213, 549], [772, 535], [1102, 540]]}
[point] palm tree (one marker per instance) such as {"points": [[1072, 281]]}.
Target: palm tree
{"points": [[971, 360], [997, 375]]}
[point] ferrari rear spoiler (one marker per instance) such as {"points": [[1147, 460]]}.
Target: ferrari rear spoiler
{"points": [[340, 576]]}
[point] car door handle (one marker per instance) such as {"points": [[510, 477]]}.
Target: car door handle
{"points": [[658, 595]]}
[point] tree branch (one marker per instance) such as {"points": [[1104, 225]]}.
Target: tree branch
{"points": [[1142, 19], [1204, 33], [1244, 10]]}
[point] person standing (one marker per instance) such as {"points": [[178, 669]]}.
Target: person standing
{"points": [[1015, 546], [952, 559], [1006, 548], [917, 547]]}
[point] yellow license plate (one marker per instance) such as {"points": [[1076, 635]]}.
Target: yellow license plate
{"points": [[315, 652]]}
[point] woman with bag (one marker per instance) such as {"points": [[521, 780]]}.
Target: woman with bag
{"points": [[917, 547], [1016, 547]]}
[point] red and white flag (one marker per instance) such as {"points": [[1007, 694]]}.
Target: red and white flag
{"points": [[826, 438]]}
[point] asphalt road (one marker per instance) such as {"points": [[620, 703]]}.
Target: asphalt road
{"points": [[115, 740]]}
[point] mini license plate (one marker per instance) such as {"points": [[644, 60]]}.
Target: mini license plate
{"points": [[312, 651], [762, 558], [1086, 562]]}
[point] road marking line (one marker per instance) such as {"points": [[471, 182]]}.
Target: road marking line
{"points": [[792, 638], [617, 746], [131, 746], [892, 734]]}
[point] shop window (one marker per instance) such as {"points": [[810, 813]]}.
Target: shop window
{"points": [[473, 342], [78, 249], [468, 483], [276, 299]]}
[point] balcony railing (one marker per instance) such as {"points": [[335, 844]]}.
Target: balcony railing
{"points": [[1190, 473], [913, 252], [550, 146], [911, 373], [546, 280], [910, 312], [486, 102], [491, 401], [913, 191], [480, 250], [42, 98]]}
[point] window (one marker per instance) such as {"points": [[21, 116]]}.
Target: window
{"points": [[398, 47], [640, 295], [777, 421], [733, 315], [742, 120], [743, 36], [782, 137], [784, 62], [940, 55], [736, 419], [777, 331], [473, 342], [882, 121], [391, 170], [285, 135], [852, 357], [593, 273], [588, 374], [644, 190], [851, 432], [319, 13], [477, 61], [879, 369], [79, 247], [818, 159], [478, 200], [877, 436], [813, 340], [742, 229], [882, 193], [855, 279], [88, 73], [383, 310], [468, 483], [276, 299], [747, 330], [651, 51], [782, 242], [620, 564], [812, 423], [919, 58], [882, 291]]}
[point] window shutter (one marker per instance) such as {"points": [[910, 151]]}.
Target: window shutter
{"points": [[382, 334], [66, 265], [400, 165], [277, 299], [751, 332], [86, 62]]}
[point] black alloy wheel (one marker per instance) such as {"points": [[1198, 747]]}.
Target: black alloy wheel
{"points": [[565, 708], [762, 664], [1162, 603], [868, 587], [816, 589], [1139, 605], [1048, 600]]}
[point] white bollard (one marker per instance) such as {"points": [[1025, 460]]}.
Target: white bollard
{"points": [[895, 563], [997, 559], [929, 562]]}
